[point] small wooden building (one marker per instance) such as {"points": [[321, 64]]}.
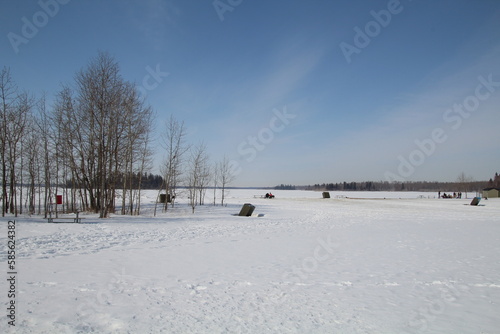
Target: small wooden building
{"points": [[491, 192]]}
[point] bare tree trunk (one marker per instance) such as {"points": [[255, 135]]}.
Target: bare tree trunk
{"points": [[226, 176], [197, 173], [43, 124], [21, 173], [8, 92], [215, 177], [145, 161], [175, 147], [157, 197], [15, 133]]}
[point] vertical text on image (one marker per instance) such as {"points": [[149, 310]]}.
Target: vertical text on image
{"points": [[11, 272]]}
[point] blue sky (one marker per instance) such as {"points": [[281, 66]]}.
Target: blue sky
{"points": [[294, 92]]}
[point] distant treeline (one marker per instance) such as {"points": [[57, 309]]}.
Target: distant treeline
{"points": [[400, 186], [463, 183], [494, 182], [285, 187], [146, 181]]}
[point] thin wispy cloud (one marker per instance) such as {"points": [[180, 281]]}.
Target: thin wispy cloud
{"points": [[154, 18]]}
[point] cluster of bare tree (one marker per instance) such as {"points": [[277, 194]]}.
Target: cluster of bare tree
{"points": [[94, 132], [14, 122], [190, 167], [95, 136]]}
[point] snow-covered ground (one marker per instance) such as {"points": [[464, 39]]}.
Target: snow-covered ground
{"points": [[409, 263]]}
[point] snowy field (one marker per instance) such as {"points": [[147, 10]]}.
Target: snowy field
{"points": [[409, 263]]}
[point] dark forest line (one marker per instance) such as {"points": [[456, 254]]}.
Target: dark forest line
{"points": [[463, 184]]}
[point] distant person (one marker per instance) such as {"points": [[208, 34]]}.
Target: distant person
{"points": [[267, 195]]}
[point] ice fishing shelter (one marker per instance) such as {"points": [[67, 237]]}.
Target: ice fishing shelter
{"points": [[246, 210], [491, 192]]}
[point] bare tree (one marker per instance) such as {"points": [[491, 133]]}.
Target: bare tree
{"points": [[464, 182], [107, 139], [145, 163], [47, 154], [215, 179], [99, 109], [226, 176], [197, 174], [137, 121], [141, 131], [173, 142], [32, 154], [204, 180], [8, 96], [16, 126], [71, 147]]}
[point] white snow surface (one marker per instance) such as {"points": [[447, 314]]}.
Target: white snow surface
{"points": [[359, 262]]}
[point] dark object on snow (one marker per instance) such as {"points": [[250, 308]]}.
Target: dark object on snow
{"points": [[246, 210], [491, 192], [163, 198], [475, 201], [166, 198], [326, 194]]}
